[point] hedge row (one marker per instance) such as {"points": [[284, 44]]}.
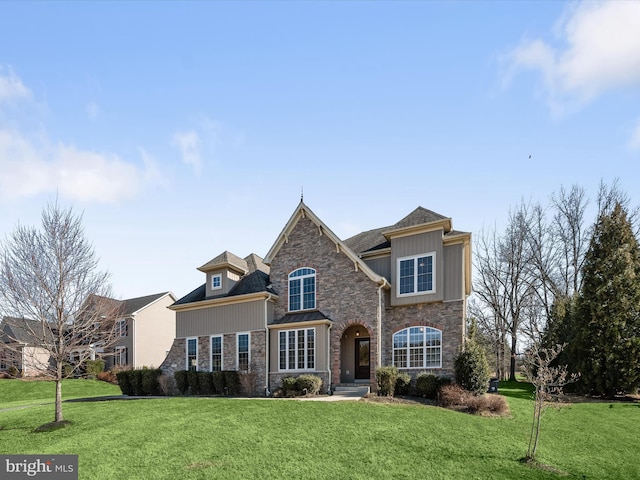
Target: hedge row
{"points": [[392, 382], [189, 382], [142, 382]]}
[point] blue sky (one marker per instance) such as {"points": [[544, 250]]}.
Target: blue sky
{"points": [[181, 130]]}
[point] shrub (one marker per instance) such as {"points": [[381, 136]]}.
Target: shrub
{"points": [[194, 384], [497, 404], [14, 372], [109, 377], [182, 384], [149, 381], [94, 367], [231, 381], [135, 379], [386, 378], [289, 386], [476, 403], [452, 396], [472, 369], [205, 381], [124, 382], [167, 384], [248, 380], [403, 384], [427, 385], [218, 382], [67, 370], [309, 383]]}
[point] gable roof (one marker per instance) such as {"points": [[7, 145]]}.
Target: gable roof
{"points": [[302, 211], [226, 259], [22, 330], [133, 305]]}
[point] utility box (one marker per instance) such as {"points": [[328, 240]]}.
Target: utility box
{"points": [[493, 385]]}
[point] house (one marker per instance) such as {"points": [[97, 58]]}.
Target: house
{"points": [[19, 347], [336, 309], [145, 331]]}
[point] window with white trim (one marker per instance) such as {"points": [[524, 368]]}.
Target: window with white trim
{"points": [[121, 358], [302, 289], [297, 349], [216, 353], [216, 281], [417, 347], [121, 328], [192, 354], [416, 275], [243, 357]]}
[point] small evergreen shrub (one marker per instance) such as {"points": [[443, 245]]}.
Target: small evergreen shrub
{"points": [[472, 369], [205, 381], [232, 381], [309, 383], [403, 384], [182, 384], [193, 381], [218, 382], [94, 367], [135, 379], [124, 383], [289, 386], [427, 385], [149, 381], [386, 378]]}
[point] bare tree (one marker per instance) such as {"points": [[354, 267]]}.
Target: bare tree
{"points": [[51, 288], [548, 383]]}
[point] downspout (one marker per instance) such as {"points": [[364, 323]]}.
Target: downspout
{"points": [[329, 388], [379, 321], [133, 340], [266, 346]]}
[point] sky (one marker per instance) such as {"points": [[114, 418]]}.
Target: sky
{"points": [[179, 130]]}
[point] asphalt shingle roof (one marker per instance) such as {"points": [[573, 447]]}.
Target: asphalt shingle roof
{"points": [[255, 282], [298, 317]]}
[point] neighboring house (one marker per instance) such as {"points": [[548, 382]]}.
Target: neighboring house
{"points": [[145, 332], [20, 348], [336, 309]]}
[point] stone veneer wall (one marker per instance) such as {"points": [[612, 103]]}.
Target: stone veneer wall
{"points": [[343, 294], [448, 317]]}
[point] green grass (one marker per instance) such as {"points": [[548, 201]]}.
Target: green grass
{"points": [[198, 438], [15, 393]]}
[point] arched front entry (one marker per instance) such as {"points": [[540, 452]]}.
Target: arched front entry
{"points": [[355, 355]]}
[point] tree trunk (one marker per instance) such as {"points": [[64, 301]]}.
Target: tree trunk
{"points": [[59, 417], [512, 366]]}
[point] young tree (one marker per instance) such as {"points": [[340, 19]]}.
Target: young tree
{"points": [[607, 321], [52, 289], [548, 383]]}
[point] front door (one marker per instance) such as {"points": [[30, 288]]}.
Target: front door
{"points": [[362, 359]]}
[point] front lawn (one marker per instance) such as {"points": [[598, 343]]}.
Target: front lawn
{"points": [[16, 392], [198, 438]]}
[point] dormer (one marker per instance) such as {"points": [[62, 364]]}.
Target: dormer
{"points": [[223, 272]]}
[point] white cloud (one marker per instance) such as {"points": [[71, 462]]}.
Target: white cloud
{"points": [[600, 52], [11, 86], [189, 144]]}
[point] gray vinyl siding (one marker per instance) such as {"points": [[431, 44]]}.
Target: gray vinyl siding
{"points": [[322, 345], [415, 245], [228, 280], [382, 266], [453, 273], [237, 317]]}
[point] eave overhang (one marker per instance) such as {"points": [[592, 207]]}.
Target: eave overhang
{"points": [[216, 302]]}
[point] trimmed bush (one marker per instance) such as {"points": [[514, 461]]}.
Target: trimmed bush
{"points": [[472, 369], [205, 381], [149, 381], [386, 378], [309, 383], [94, 367], [124, 383], [135, 379], [232, 381], [427, 385], [290, 386], [182, 384], [218, 382], [403, 384], [193, 381]]}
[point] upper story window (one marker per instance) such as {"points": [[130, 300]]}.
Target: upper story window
{"points": [[302, 289], [121, 328], [216, 281], [416, 275], [417, 347]]}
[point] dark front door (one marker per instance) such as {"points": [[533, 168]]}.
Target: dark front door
{"points": [[362, 359]]}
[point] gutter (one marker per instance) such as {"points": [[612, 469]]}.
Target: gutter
{"points": [[330, 387], [383, 284], [266, 347]]}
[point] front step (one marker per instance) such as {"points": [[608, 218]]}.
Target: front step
{"points": [[352, 390]]}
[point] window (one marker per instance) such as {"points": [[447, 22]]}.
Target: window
{"points": [[243, 351], [302, 289], [121, 358], [416, 274], [297, 349], [216, 354], [192, 354], [216, 282], [121, 328], [417, 347]]}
